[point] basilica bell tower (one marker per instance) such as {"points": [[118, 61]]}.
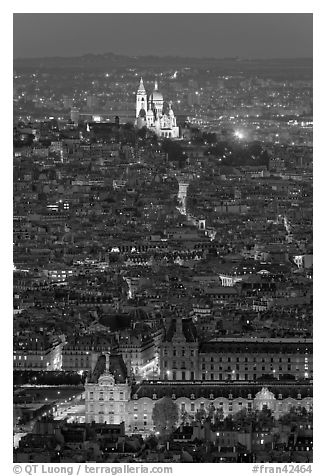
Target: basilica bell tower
{"points": [[141, 98]]}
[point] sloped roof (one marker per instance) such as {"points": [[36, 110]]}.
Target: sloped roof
{"points": [[116, 322], [117, 369], [188, 330], [205, 390]]}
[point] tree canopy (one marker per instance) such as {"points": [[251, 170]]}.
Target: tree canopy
{"points": [[173, 149], [165, 415]]}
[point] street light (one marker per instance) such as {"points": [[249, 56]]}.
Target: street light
{"points": [[239, 134]]}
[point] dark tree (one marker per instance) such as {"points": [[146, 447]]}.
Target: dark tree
{"points": [[165, 415], [173, 149], [200, 415], [141, 133]]}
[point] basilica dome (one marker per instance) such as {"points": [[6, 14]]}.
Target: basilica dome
{"points": [[156, 95]]}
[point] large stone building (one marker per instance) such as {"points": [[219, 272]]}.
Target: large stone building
{"points": [[108, 398], [80, 353], [138, 351], [257, 358], [107, 391], [150, 113], [36, 351], [179, 351], [183, 357]]}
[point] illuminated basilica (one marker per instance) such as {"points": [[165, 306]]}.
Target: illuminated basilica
{"points": [[149, 113]]}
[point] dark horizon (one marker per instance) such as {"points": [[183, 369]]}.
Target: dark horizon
{"points": [[221, 58], [189, 35]]}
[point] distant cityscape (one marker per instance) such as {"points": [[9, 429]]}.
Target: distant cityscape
{"points": [[163, 260]]}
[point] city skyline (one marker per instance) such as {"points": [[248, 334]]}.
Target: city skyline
{"points": [[217, 35]]}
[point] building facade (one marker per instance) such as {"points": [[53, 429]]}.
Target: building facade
{"points": [[106, 395], [179, 351], [80, 353], [109, 399], [182, 357], [252, 359], [37, 352], [138, 353]]}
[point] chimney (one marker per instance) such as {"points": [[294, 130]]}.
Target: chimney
{"points": [[179, 326], [94, 357], [167, 321], [107, 362]]}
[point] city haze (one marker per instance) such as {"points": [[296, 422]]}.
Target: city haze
{"points": [[251, 35]]}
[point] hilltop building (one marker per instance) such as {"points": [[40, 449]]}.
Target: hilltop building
{"points": [[150, 113]]}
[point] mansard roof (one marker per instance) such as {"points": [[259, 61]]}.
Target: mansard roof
{"points": [[188, 330], [212, 390], [117, 369], [257, 345]]}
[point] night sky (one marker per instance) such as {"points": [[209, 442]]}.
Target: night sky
{"points": [[246, 35]]}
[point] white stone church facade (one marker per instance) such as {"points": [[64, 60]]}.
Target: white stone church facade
{"points": [[149, 113]]}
